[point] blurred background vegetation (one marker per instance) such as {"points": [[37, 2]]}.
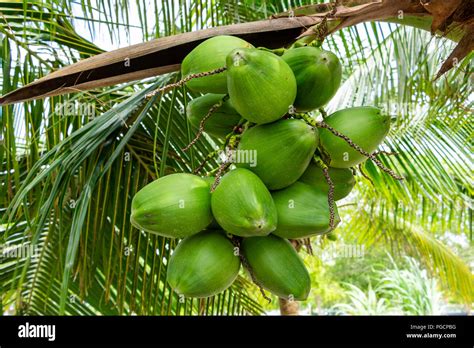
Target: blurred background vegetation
{"points": [[67, 175]]}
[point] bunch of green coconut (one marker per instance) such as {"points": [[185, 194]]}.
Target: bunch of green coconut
{"points": [[253, 212]]}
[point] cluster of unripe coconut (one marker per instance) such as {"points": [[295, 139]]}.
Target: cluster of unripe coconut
{"points": [[258, 102]]}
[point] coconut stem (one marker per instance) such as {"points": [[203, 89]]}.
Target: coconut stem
{"points": [[183, 81], [231, 144], [236, 241], [203, 122], [323, 112], [331, 203], [360, 150], [221, 170], [235, 133], [387, 153], [203, 163], [307, 244], [321, 31], [361, 170]]}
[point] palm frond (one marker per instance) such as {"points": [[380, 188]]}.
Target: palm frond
{"points": [[367, 227]]}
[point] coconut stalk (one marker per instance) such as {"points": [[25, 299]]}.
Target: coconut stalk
{"points": [[288, 307], [453, 19]]}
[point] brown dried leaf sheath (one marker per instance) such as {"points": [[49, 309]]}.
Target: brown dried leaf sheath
{"points": [[152, 58], [164, 55]]}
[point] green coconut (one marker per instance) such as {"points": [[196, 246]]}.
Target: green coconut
{"points": [[342, 179], [207, 56], [282, 149], [221, 122], [175, 206], [318, 76], [243, 206], [366, 126], [261, 85], [303, 211], [203, 265], [277, 267]]}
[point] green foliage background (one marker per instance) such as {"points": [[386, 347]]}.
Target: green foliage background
{"points": [[66, 182]]}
